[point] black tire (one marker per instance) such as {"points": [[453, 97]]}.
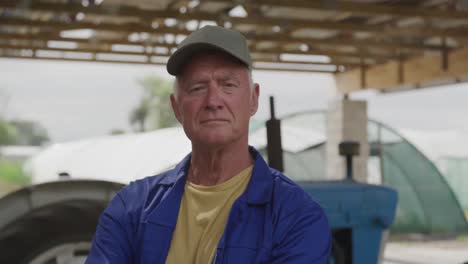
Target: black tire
{"points": [[52, 221], [44, 254]]}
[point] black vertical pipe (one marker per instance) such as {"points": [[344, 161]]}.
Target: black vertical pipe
{"points": [[349, 167], [348, 149], [274, 147]]}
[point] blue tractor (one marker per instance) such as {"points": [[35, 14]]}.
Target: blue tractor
{"points": [[359, 214]]}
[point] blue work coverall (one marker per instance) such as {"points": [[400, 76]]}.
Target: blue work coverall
{"points": [[273, 221]]}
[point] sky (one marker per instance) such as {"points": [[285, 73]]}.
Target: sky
{"points": [[75, 100]]}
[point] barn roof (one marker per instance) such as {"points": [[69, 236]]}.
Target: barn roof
{"points": [[380, 44]]}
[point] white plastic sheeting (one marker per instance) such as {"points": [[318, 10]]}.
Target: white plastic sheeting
{"points": [[18, 153], [437, 145], [119, 158], [123, 158], [293, 139]]}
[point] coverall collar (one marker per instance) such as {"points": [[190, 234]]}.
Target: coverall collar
{"points": [[258, 190]]}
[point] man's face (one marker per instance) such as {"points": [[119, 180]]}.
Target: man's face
{"points": [[214, 101]]}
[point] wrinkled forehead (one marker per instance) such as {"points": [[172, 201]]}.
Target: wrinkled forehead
{"points": [[213, 58]]}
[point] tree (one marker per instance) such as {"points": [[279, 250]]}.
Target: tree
{"points": [[7, 133], [139, 115], [154, 110], [29, 133], [21, 132]]}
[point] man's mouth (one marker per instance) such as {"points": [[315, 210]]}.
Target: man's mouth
{"points": [[214, 120]]}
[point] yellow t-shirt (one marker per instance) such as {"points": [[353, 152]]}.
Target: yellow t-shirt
{"points": [[203, 214]]}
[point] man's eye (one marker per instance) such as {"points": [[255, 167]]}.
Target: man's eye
{"points": [[196, 89], [230, 85]]}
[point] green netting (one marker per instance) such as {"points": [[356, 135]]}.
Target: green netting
{"points": [[305, 165], [410, 215], [427, 204], [455, 170]]}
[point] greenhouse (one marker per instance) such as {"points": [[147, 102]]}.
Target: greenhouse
{"points": [[449, 152], [427, 203]]}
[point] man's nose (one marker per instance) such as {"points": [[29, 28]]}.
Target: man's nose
{"points": [[214, 98]]}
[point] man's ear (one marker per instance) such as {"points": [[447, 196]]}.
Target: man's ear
{"points": [[254, 99], [175, 108]]}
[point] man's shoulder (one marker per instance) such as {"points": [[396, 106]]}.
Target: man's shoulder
{"points": [[283, 186], [139, 193], [288, 196]]}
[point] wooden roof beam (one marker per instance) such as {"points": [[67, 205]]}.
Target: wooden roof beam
{"points": [[341, 6], [362, 8], [9, 56], [378, 30], [107, 50], [127, 27], [367, 43], [54, 37], [412, 73], [268, 52], [33, 38], [335, 62], [130, 28], [108, 10], [361, 54], [266, 21], [330, 53], [80, 49], [4, 55], [280, 38]]}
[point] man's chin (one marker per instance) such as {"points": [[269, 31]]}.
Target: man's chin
{"points": [[215, 140]]}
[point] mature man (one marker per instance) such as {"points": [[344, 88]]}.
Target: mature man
{"points": [[222, 203]]}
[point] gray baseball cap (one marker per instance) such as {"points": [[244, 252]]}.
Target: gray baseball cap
{"points": [[209, 38]]}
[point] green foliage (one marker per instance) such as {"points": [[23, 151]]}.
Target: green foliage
{"points": [[12, 172], [8, 134], [154, 110], [139, 115], [29, 133], [19, 132]]}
